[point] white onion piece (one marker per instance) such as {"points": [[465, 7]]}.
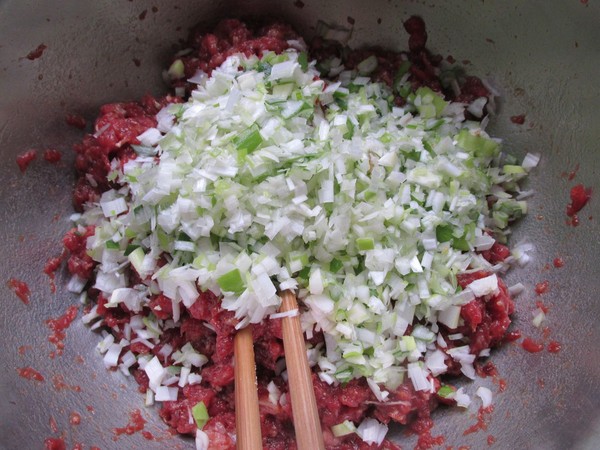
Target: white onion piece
{"points": [[486, 396], [202, 441], [484, 286], [372, 431], [166, 394]]}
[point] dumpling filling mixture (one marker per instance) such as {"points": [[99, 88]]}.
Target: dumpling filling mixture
{"points": [[366, 184]]}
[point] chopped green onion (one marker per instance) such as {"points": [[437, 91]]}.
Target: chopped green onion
{"points": [[200, 414], [404, 68], [303, 61], [432, 103], [163, 239], [304, 273], [152, 325], [386, 138], [368, 195], [513, 170], [446, 390], [368, 65], [335, 265], [513, 209], [265, 67], [365, 243], [176, 70], [404, 90], [350, 127], [343, 429], [408, 343], [174, 370], [479, 145], [461, 243], [231, 282], [112, 245], [136, 258], [130, 248], [444, 233], [248, 140]]}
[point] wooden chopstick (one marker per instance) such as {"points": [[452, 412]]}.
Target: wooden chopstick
{"points": [[247, 416], [304, 405]]}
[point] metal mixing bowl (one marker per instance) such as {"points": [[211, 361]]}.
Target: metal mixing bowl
{"points": [[542, 55]]}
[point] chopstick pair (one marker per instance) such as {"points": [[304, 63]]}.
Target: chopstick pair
{"points": [[304, 406]]}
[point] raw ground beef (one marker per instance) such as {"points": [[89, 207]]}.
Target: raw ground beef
{"points": [[208, 327]]}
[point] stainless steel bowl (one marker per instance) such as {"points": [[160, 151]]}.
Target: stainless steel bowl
{"points": [[543, 56]]}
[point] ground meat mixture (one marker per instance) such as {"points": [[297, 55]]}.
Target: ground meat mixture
{"points": [[116, 129], [209, 49], [208, 327]]}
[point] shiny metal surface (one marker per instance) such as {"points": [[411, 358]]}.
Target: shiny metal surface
{"points": [[542, 55]]}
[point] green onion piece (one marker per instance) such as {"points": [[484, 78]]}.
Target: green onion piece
{"points": [[409, 343], [152, 325], [432, 104], [404, 67], [200, 414], [513, 209], [343, 429], [112, 175], [370, 195], [353, 88], [248, 140], [184, 237], [341, 98], [368, 65], [304, 273], [112, 245], [445, 391], [231, 282], [265, 67], [130, 248], [344, 375], [404, 90], [414, 155], [438, 123], [177, 69], [478, 145], [427, 111], [365, 243], [303, 61], [512, 169], [335, 265], [444, 233], [348, 134], [340, 95], [299, 256], [500, 219], [273, 58], [163, 239], [386, 138], [352, 354], [461, 243], [136, 257]]}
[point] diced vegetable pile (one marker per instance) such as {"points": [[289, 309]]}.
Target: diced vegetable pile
{"points": [[269, 177]]}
